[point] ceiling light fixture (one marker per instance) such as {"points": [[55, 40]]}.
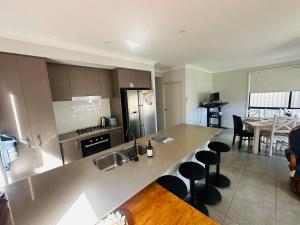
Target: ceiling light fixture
{"points": [[131, 44], [182, 32]]}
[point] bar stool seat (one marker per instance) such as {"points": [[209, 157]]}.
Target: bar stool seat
{"points": [[217, 179], [194, 171], [173, 184], [206, 192]]}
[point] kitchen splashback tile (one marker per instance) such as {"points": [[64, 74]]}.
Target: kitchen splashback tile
{"points": [[79, 113]]}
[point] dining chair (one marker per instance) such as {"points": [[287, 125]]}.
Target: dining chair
{"points": [[238, 130], [293, 156], [281, 128]]}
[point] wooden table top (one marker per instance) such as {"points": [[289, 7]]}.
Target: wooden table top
{"points": [[155, 205], [259, 122]]}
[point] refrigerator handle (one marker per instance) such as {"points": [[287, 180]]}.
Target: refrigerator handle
{"points": [[142, 120], [141, 113]]}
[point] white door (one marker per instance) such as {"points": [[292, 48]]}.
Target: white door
{"points": [[172, 103]]}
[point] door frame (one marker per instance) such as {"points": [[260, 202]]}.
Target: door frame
{"points": [[164, 101]]}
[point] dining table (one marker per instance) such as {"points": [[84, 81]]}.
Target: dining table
{"points": [[258, 125]]}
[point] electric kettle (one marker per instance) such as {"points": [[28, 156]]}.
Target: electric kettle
{"points": [[103, 121]]}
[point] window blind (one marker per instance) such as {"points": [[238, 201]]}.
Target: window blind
{"points": [[276, 80]]}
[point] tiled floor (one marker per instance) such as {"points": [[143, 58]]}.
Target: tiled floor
{"points": [[259, 193]]}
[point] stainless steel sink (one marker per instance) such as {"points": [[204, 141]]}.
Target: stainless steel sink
{"points": [[114, 159], [142, 149], [110, 161]]}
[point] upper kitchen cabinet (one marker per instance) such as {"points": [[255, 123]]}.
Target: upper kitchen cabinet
{"points": [[106, 81], [68, 81], [77, 81], [59, 82], [92, 80], [128, 78]]}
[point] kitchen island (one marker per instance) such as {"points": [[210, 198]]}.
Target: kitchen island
{"points": [[79, 193]]}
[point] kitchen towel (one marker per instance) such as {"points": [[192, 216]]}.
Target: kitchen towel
{"points": [[8, 150]]}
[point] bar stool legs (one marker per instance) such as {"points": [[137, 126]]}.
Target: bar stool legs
{"points": [[208, 193], [193, 171], [217, 179], [194, 202]]}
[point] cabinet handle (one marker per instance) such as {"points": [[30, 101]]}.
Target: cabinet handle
{"points": [[28, 142], [39, 139]]}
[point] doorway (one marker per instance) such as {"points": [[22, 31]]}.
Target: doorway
{"points": [[172, 103], [159, 103]]}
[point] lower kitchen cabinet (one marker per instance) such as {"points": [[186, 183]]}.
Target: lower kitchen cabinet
{"points": [[116, 137], [71, 151]]}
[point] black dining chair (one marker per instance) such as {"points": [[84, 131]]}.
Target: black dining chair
{"points": [[239, 131]]}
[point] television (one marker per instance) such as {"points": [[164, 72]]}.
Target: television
{"points": [[214, 97]]}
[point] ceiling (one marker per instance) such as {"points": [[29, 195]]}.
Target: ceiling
{"points": [[216, 35]]}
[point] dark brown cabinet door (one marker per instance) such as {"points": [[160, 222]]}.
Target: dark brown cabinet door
{"points": [[143, 79], [106, 81], [14, 120], [92, 80], [71, 150], [36, 90], [59, 82], [116, 137], [129, 78], [77, 81]]}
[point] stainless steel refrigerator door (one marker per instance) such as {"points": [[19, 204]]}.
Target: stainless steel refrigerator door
{"points": [[133, 112], [147, 111]]}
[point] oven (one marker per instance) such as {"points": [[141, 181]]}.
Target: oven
{"points": [[94, 145]]}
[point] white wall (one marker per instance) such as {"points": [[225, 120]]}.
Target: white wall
{"points": [[233, 88], [198, 86]]}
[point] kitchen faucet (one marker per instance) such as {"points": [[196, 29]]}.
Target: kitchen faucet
{"points": [[131, 133]]}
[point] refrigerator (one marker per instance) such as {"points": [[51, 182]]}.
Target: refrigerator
{"points": [[138, 112]]}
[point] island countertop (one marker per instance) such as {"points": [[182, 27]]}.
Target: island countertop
{"points": [[79, 193]]}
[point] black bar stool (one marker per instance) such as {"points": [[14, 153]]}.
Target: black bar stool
{"points": [[193, 171], [173, 184], [216, 178], [207, 193]]}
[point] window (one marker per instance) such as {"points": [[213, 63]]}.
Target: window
{"points": [[269, 100], [295, 99]]}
